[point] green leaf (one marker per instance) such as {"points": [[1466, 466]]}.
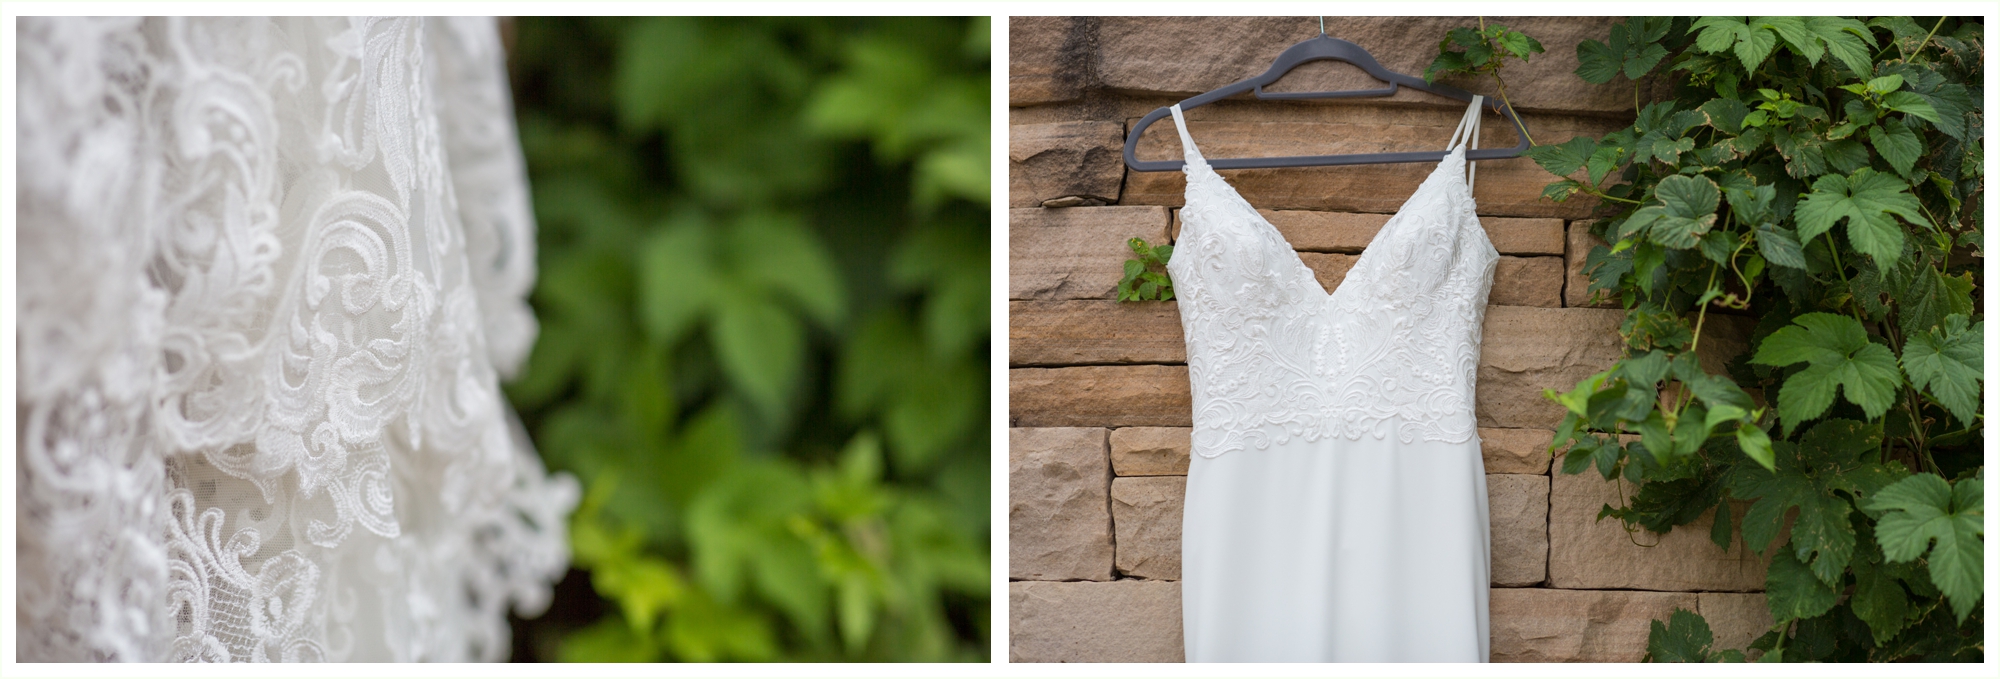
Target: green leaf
{"points": [[1757, 446], [1793, 593], [1866, 200], [1839, 354], [1685, 638], [1780, 247], [1810, 476], [1846, 39], [1641, 62], [1948, 363], [1596, 63], [1923, 508], [1897, 144], [777, 251], [762, 350], [1878, 600], [1931, 298], [676, 279], [1689, 210], [1911, 103], [1565, 158]]}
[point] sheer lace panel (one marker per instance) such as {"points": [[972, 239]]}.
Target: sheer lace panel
{"points": [[271, 272]]}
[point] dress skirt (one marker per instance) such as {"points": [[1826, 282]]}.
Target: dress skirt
{"points": [[1337, 551]]}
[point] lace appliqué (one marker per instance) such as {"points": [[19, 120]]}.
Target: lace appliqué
{"points": [[1272, 356], [271, 272]]}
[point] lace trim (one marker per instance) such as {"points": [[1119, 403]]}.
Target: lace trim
{"points": [[271, 271], [1272, 356]]}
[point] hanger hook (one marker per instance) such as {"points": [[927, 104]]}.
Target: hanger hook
{"points": [[1322, 25]]}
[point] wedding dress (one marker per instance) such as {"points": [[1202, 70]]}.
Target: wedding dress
{"points": [[1336, 498], [270, 273]]}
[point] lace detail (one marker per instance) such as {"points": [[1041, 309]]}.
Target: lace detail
{"points": [[271, 272], [1273, 356]]}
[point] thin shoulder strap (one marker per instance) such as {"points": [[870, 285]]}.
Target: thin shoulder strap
{"points": [[1188, 150], [1467, 133]]}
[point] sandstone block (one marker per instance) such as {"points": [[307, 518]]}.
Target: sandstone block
{"points": [[1527, 281], [1330, 269], [1150, 451], [1123, 621], [1555, 625], [1518, 507], [1182, 56], [1075, 253], [1100, 396], [1350, 232], [1146, 520], [1736, 619], [1082, 159], [1093, 332], [1047, 59], [1587, 554], [1249, 129], [1508, 451], [1058, 514], [1527, 349], [1576, 291]]}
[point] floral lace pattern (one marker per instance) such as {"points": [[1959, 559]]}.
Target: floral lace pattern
{"points": [[1272, 356], [271, 271]]}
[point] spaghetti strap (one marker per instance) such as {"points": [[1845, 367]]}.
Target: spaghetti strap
{"points": [[1188, 150], [1466, 135]]}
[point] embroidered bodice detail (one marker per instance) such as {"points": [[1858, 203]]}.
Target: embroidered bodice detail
{"points": [[1393, 351]]}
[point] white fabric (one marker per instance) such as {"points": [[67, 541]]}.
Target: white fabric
{"points": [[270, 272], [1336, 503]]}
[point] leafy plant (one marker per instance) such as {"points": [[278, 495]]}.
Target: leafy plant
{"points": [[1821, 175], [1146, 276], [763, 297], [1466, 51]]}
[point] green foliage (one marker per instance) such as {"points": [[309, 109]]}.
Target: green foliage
{"points": [[1468, 51], [1146, 276], [1820, 175], [763, 298], [1686, 638]]}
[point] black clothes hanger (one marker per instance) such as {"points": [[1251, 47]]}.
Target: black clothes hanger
{"points": [[1321, 48]]}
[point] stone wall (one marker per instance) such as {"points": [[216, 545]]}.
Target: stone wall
{"points": [[1098, 391]]}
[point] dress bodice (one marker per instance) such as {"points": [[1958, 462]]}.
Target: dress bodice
{"points": [[1393, 349]]}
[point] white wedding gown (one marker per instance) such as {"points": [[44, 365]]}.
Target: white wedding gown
{"points": [[270, 272], [1336, 500]]}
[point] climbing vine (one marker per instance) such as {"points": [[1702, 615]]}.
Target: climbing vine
{"points": [[1821, 176]]}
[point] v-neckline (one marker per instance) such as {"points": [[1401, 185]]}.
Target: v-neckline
{"points": [[1325, 294]]}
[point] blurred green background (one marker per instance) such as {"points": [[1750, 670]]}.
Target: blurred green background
{"points": [[763, 296]]}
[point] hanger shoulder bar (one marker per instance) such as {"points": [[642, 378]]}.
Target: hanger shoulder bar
{"points": [[1132, 147]]}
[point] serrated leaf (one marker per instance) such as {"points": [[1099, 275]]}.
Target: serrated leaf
{"points": [[1780, 247], [1563, 159], [1879, 601], [1896, 143], [1839, 354], [1793, 593], [1685, 638], [1866, 199], [1923, 508], [1596, 63], [1845, 155], [1948, 363], [1688, 210], [1639, 63], [1810, 476], [1846, 39]]}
